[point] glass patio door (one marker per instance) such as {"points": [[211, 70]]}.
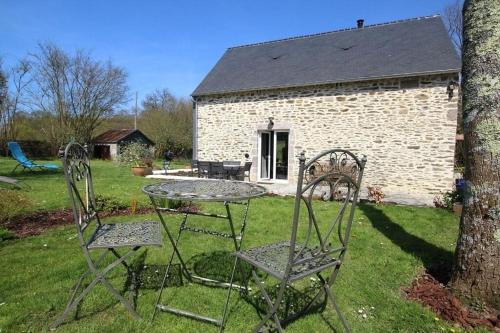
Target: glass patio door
{"points": [[266, 149], [273, 155]]}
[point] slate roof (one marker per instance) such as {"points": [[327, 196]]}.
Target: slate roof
{"points": [[395, 49], [117, 135]]}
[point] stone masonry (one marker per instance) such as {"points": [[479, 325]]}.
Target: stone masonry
{"points": [[406, 127]]}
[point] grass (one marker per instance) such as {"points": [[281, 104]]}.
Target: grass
{"points": [[390, 245], [48, 189]]}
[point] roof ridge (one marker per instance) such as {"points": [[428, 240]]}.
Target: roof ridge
{"points": [[335, 31]]}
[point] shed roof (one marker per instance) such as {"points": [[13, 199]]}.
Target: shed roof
{"points": [[395, 49], [117, 135]]}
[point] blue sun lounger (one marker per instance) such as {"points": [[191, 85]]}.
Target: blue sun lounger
{"points": [[22, 160]]}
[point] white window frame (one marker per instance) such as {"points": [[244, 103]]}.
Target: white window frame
{"points": [[259, 157]]}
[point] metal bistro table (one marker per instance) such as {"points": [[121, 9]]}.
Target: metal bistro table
{"points": [[216, 190]]}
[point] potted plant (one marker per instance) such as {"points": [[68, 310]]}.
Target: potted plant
{"points": [[139, 156]]}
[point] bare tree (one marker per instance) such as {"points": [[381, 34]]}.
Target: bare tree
{"points": [[476, 272], [77, 89], [12, 97], [454, 23], [167, 120], [160, 99]]}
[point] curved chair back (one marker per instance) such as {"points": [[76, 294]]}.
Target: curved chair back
{"points": [[78, 175], [17, 153], [334, 176]]}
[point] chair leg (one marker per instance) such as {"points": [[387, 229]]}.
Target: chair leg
{"points": [[99, 276], [111, 289], [273, 308], [73, 303], [125, 303], [226, 307], [336, 307], [14, 170], [130, 273], [326, 285]]}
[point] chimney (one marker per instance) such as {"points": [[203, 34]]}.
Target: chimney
{"points": [[360, 23]]}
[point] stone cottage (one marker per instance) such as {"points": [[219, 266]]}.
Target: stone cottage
{"points": [[387, 90]]}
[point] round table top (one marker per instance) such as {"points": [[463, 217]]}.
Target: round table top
{"points": [[202, 189]]}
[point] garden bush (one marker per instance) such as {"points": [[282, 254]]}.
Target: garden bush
{"points": [[136, 154], [13, 203], [108, 203]]}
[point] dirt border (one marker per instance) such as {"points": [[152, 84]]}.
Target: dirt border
{"points": [[429, 292], [36, 223]]}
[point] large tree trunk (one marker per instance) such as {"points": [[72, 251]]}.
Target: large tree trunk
{"points": [[476, 272]]}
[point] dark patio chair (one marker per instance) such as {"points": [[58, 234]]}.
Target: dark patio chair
{"points": [[203, 169], [324, 244], [217, 170], [232, 169], [231, 163], [246, 171], [194, 165], [167, 160], [96, 236]]}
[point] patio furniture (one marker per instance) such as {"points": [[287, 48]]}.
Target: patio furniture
{"points": [[203, 169], [217, 171], [107, 238], [17, 154], [232, 169], [215, 190], [167, 159], [246, 170], [10, 181], [194, 165], [325, 245]]}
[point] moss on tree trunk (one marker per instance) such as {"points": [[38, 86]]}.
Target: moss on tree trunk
{"points": [[476, 273]]}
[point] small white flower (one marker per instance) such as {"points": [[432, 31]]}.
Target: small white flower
{"points": [[360, 311], [45, 245], [364, 316]]}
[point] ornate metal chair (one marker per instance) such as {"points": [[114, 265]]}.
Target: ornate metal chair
{"points": [[320, 246], [94, 235]]}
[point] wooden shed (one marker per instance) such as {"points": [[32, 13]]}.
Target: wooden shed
{"points": [[109, 144]]}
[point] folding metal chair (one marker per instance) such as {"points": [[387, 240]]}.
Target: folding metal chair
{"points": [[96, 236], [325, 245]]}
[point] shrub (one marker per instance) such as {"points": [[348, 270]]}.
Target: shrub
{"points": [[136, 154], [375, 193], [108, 203], [448, 199], [172, 204], [6, 234], [13, 203]]}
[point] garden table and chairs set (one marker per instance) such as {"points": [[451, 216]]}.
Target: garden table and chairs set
{"points": [[233, 170], [319, 251]]}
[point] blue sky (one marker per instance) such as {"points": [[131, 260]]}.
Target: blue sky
{"points": [[173, 44]]}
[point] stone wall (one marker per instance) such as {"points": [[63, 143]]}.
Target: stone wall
{"points": [[406, 127]]}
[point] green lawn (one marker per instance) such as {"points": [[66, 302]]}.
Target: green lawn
{"points": [[390, 245]]}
